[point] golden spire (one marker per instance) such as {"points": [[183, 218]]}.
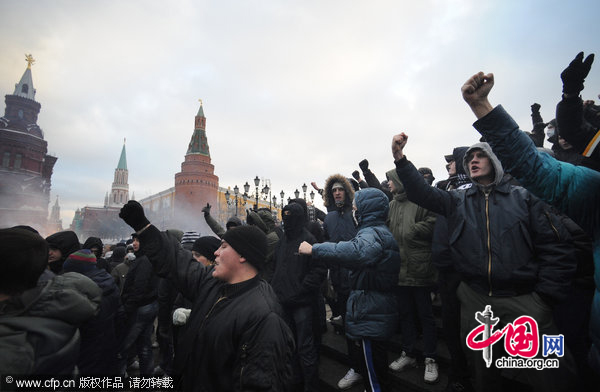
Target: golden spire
{"points": [[200, 102], [30, 60]]}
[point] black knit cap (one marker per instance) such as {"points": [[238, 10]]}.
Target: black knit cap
{"points": [[250, 242], [207, 246]]}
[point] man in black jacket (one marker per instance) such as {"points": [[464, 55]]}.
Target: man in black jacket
{"points": [[236, 339], [296, 281], [98, 351], [139, 297], [509, 253]]}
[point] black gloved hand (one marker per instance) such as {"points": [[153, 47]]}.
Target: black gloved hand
{"points": [[133, 214], [364, 165], [536, 117], [574, 75], [206, 210], [356, 175]]}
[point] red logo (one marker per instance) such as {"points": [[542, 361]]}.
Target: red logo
{"points": [[521, 336]]}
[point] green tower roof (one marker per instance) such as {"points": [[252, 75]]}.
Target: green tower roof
{"points": [[123, 159]]}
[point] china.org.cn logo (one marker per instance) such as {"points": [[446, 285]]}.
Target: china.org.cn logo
{"points": [[521, 342]]}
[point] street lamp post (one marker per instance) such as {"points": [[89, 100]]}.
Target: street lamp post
{"points": [[227, 195], [304, 190], [312, 196], [282, 194], [297, 193], [245, 195], [236, 192], [256, 182], [267, 191]]}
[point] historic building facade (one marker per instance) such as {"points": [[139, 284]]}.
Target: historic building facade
{"points": [[179, 207], [26, 167], [104, 222]]}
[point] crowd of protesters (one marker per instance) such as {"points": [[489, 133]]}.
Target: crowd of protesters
{"points": [[513, 230]]}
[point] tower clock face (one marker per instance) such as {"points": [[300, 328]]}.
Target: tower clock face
{"points": [[20, 113]]}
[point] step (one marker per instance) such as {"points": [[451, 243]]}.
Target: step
{"points": [[334, 363], [335, 345]]}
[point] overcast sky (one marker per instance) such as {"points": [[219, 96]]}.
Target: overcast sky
{"points": [[293, 91]]}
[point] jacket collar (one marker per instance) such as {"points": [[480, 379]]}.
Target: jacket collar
{"points": [[502, 187], [237, 289]]}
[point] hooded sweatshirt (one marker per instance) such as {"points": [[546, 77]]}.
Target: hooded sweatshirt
{"points": [[65, 241]]}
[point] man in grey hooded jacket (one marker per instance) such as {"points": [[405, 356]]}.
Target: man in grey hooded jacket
{"points": [[510, 252]]}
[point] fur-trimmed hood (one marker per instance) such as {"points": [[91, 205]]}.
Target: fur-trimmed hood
{"points": [[328, 201]]}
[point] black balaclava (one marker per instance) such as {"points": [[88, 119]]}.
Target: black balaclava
{"points": [[293, 220]]}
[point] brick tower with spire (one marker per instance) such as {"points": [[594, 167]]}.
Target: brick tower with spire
{"points": [[196, 184], [26, 168]]}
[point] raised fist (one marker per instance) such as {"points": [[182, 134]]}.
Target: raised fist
{"points": [[364, 165], [574, 75], [133, 214], [206, 210]]}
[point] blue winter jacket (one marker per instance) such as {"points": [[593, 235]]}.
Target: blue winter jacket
{"points": [[374, 263], [575, 190]]}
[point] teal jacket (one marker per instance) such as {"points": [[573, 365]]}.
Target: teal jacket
{"points": [[575, 190]]}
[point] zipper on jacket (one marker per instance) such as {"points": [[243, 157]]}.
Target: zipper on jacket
{"points": [[243, 359], [221, 298], [552, 224], [489, 241]]}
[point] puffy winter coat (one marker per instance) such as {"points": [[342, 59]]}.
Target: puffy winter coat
{"points": [[412, 227], [39, 329], [374, 261], [575, 190], [501, 239]]}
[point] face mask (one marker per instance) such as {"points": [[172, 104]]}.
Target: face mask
{"points": [[550, 132]]}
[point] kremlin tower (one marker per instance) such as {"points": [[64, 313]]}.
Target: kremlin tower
{"points": [[196, 184], [119, 193]]}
